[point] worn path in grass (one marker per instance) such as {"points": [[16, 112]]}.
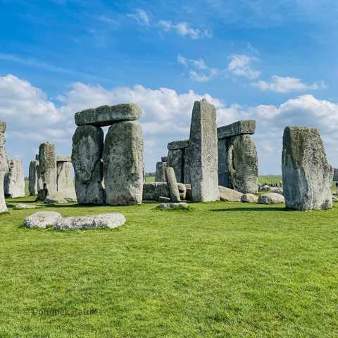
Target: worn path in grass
{"points": [[219, 270]]}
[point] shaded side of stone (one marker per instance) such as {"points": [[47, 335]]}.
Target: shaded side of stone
{"points": [[160, 172], [87, 164], [33, 178], [203, 153], [176, 161], [123, 163], [3, 166], [15, 179], [307, 174]]}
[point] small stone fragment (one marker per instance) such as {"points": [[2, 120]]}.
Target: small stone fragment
{"points": [[229, 195], [271, 198], [249, 198]]}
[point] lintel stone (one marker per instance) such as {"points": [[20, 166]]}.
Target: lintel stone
{"points": [[107, 115], [178, 145], [237, 128]]}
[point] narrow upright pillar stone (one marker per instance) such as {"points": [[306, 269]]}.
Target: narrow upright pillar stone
{"points": [[86, 159], [203, 152], [15, 179], [123, 163], [47, 170], [172, 185], [3, 167], [65, 178], [33, 178], [160, 171], [307, 175]]}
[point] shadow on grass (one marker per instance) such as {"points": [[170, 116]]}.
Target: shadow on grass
{"points": [[251, 209]]}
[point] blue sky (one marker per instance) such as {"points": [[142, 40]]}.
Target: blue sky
{"points": [[273, 61]]}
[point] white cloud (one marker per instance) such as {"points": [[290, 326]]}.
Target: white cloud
{"points": [[141, 17], [286, 84], [184, 29], [198, 70], [241, 65]]}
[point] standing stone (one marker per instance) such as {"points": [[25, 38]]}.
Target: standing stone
{"points": [[203, 152], [86, 159], [47, 170], [123, 163], [3, 166], [15, 179], [237, 157], [33, 178], [176, 158], [160, 172], [307, 175], [172, 185], [65, 178]]}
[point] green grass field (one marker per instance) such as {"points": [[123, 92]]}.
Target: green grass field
{"points": [[217, 270]]}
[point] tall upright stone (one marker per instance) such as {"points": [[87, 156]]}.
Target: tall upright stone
{"points": [[237, 157], [86, 159], [65, 177], [203, 152], [15, 179], [123, 163], [3, 166], [307, 175], [176, 158], [33, 178], [172, 185], [160, 171], [47, 170]]}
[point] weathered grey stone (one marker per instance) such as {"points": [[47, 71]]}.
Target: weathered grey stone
{"points": [[33, 178], [182, 190], [307, 174], [160, 172], [63, 158], [188, 194], [163, 199], [203, 152], [264, 187], [123, 163], [238, 163], [111, 220], [42, 219], [152, 191], [59, 198], [3, 166], [229, 195], [164, 158], [277, 190], [174, 206], [47, 169], [15, 179], [86, 158], [65, 179], [176, 161], [271, 198], [249, 198], [237, 128], [107, 115], [172, 184], [178, 145]]}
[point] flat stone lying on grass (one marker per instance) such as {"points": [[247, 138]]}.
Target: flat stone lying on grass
{"points": [[111, 220], [42, 219], [21, 206], [271, 198], [174, 206], [229, 195], [249, 198]]}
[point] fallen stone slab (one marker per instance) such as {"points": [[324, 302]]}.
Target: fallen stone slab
{"points": [[229, 195], [249, 198], [237, 128], [42, 219], [22, 206], [174, 206], [107, 115], [111, 220], [271, 198]]}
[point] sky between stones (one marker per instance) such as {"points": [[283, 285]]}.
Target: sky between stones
{"points": [[275, 62]]}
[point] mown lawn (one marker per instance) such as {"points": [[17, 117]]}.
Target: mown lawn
{"points": [[219, 270]]}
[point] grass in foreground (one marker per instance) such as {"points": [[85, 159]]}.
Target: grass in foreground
{"points": [[220, 270]]}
